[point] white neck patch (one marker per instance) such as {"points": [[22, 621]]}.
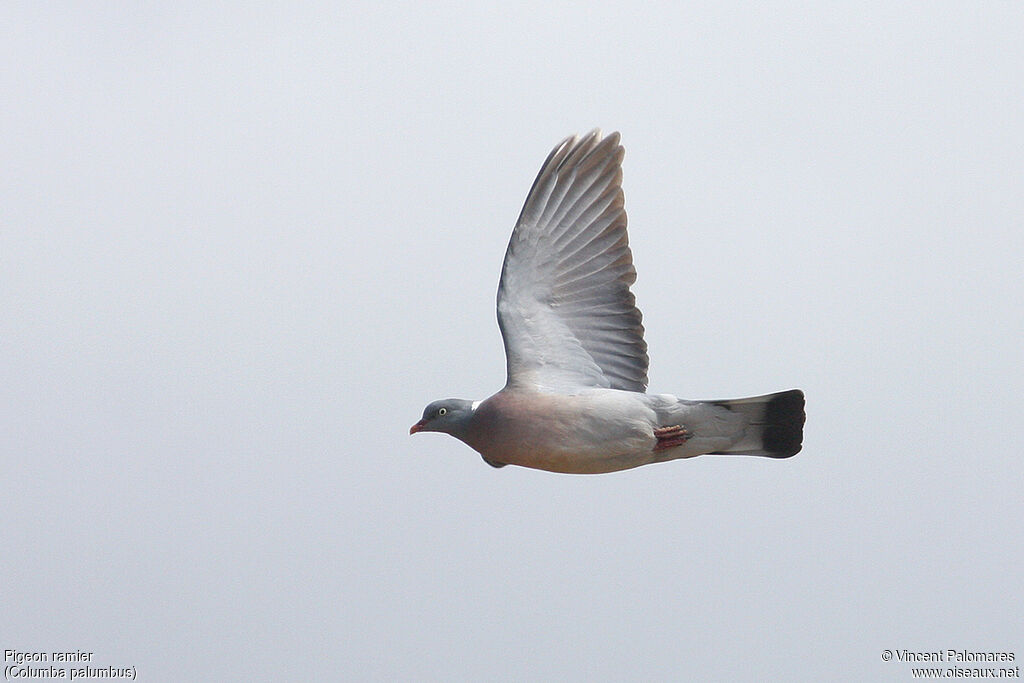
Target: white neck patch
{"points": [[476, 404]]}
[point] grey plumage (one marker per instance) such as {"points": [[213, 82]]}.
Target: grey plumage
{"points": [[574, 399], [564, 306]]}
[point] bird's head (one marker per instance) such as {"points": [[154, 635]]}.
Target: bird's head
{"points": [[449, 415]]}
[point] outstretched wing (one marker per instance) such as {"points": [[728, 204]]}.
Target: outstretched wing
{"points": [[565, 310]]}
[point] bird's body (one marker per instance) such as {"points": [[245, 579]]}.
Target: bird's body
{"points": [[575, 398], [595, 430]]}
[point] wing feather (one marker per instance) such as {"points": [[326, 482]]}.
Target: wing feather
{"points": [[565, 310]]}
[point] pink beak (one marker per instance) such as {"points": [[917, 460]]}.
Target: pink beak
{"points": [[418, 427]]}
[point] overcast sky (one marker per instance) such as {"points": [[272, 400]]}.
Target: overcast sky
{"points": [[242, 246]]}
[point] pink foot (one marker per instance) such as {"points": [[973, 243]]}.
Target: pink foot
{"points": [[670, 437]]}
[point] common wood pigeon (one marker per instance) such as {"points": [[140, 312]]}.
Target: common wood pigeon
{"points": [[575, 399]]}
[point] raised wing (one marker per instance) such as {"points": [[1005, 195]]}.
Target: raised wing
{"points": [[564, 306]]}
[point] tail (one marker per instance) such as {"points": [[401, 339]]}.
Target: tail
{"points": [[776, 421]]}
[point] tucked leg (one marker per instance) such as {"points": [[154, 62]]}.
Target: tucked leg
{"points": [[670, 437]]}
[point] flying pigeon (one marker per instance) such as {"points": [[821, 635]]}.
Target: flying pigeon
{"points": [[575, 399]]}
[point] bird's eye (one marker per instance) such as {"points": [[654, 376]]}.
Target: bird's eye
{"points": [[441, 411]]}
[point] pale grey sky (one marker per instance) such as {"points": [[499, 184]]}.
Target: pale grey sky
{"points": [[242, 246]]}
